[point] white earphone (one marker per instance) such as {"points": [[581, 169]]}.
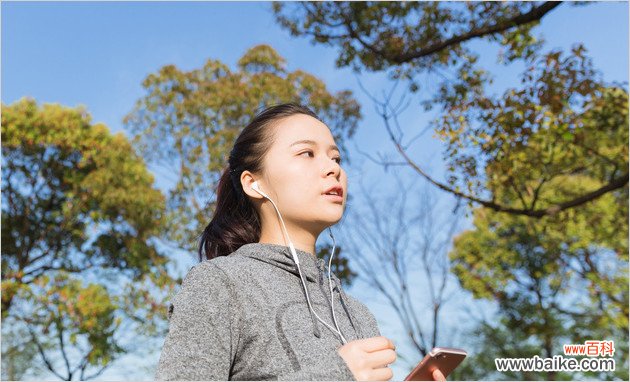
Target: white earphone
{"points": [[256, 188]]}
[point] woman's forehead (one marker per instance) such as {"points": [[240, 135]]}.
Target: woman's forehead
{"points": [[302, 127]]}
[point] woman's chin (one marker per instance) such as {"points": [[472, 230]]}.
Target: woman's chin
{"points": [[332, 219], [321, 222]]}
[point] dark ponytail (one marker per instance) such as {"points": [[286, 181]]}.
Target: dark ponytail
{"points": [[235, 221]]}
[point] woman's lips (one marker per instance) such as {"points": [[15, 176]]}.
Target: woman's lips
{"points": [[334, 198]]}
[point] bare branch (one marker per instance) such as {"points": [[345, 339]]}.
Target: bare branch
{"points": [[385, 241], [42, 353]]}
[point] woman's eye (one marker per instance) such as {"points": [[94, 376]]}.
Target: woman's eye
{"points": [[312, 155]]}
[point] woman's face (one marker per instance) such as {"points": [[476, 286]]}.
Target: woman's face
{"points": [[301, 166]]}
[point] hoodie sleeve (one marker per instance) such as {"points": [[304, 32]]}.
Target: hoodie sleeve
{"points": [[203, 328]]}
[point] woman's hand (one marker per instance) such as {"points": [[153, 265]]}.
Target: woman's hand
{"points": [[368, 359], [438, 376]]}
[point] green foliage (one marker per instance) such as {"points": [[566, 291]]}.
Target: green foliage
{"points": [[63, 306], [562, 278], [551, 126], [77, 203], [414, 36], [188, 120], [559, 279]]}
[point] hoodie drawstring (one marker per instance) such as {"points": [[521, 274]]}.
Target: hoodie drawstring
{"points": [[343, 299], [316, 332]]}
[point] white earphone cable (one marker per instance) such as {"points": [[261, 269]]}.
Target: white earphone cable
{"points": [[297, 263], [332, 253]]}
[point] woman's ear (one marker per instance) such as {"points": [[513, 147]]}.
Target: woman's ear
{"points": [[247, 180]]}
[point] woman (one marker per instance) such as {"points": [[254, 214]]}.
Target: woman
{"points": [[248, 311]]}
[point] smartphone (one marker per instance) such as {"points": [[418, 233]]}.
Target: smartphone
{"points": [[445, 359]]}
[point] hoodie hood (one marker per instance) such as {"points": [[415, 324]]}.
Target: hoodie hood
{"points": [[280, 256], [313, 269]]}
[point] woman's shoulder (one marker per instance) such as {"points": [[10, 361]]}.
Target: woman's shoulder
{"points": [[211, 280], [224, 268], [229, 264]]}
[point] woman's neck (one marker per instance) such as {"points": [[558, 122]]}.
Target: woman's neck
{"points": [[302, 240]]}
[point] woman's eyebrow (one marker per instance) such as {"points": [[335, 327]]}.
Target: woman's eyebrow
{"points": [[311, 142]]}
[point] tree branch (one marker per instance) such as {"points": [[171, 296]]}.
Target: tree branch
{"points": [[524, 18], [42, 353], [616, 183]]}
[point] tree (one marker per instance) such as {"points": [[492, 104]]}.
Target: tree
{"points": [[562, 278], [79, 215], [76, 321], [188, 121], [413, 38]]}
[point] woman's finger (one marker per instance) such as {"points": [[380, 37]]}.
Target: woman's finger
{"points": [[382, 374], [438, 376], [381, 358]]}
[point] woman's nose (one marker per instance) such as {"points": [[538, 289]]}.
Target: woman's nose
{"points": [[333, 168]]}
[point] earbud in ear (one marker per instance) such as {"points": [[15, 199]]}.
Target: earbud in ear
{"points": [[257, 189]]}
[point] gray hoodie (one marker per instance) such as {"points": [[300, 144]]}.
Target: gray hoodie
{"points": [[245, 317]]}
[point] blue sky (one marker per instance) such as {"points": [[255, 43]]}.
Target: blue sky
{"points": [[97, 54]]}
